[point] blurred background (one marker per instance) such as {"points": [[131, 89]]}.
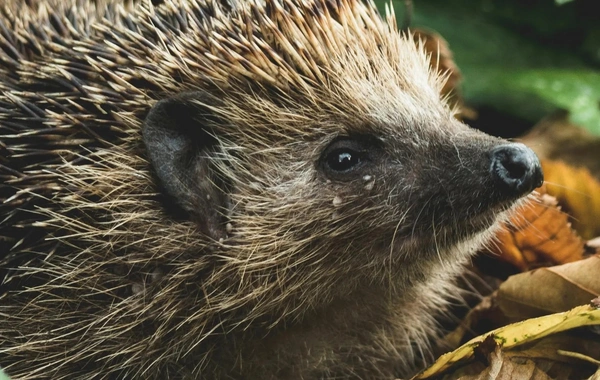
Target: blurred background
{"points": [[520, 60]]}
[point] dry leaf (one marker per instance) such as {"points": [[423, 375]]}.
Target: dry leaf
{"points": [[550, 290], [555, 138], [538, 234], [579, 355], [441, 57], [542, 359], [564, 347], [501, 368], [516, 334], [577, 192], [442, 60]]}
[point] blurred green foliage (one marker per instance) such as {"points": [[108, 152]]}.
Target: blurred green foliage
{"points": [[3, 376], [521, 59]]}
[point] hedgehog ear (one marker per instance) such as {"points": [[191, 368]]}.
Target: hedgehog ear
{"points": [[181, 149]]}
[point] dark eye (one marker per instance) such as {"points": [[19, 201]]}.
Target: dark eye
{"points": [[342, 160], [345, 156]]}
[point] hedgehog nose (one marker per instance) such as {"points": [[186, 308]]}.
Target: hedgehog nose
{"points": [[516, 169]]}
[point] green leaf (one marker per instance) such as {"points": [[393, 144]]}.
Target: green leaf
{"points": [[531, 94], [3, 376], [505, 71], [575, 90]]}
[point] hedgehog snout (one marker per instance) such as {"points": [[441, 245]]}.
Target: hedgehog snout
{"points": [[515, 169]]}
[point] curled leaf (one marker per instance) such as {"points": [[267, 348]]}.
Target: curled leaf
{"points": [[550, 290], [516, 334], [538, 234], [557, 357], [502, 368]]}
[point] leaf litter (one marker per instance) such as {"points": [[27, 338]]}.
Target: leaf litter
{"points": [[544, 317]]}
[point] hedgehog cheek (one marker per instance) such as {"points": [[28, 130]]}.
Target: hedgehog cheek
{"points": [[180, 147]]}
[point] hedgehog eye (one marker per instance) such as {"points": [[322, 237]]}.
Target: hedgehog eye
{"points": [[342, 160], [343, 157]]}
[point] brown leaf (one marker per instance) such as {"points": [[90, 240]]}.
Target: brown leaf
{"points": [[550, 290], [517, 334], [501, 368], [555, 138], [538, 234], [442, 60], [544, 359], [578, 193]]}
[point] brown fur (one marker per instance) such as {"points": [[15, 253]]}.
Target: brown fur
{"points": [[306, 277]]}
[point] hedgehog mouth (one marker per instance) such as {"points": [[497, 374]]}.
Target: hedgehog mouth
{"points": [[478, 223], [457, 229]]}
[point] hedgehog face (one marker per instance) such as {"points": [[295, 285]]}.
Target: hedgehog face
{"points": [[322, 137], [342, 159], [340, 191]]}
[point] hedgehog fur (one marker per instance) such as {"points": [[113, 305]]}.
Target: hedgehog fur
{"points": [[256, 265]]}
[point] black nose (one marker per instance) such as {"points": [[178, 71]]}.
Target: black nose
{"points": [[516, 169]]}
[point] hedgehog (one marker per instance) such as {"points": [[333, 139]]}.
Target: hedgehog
{"points": [[253, 189]]}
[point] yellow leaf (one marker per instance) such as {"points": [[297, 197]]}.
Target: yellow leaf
{"points": [[517, 334]]}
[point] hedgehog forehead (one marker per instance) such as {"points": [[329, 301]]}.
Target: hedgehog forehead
{"points": [[308, 68], [391, 85], [363, 94], [331, 64]]}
